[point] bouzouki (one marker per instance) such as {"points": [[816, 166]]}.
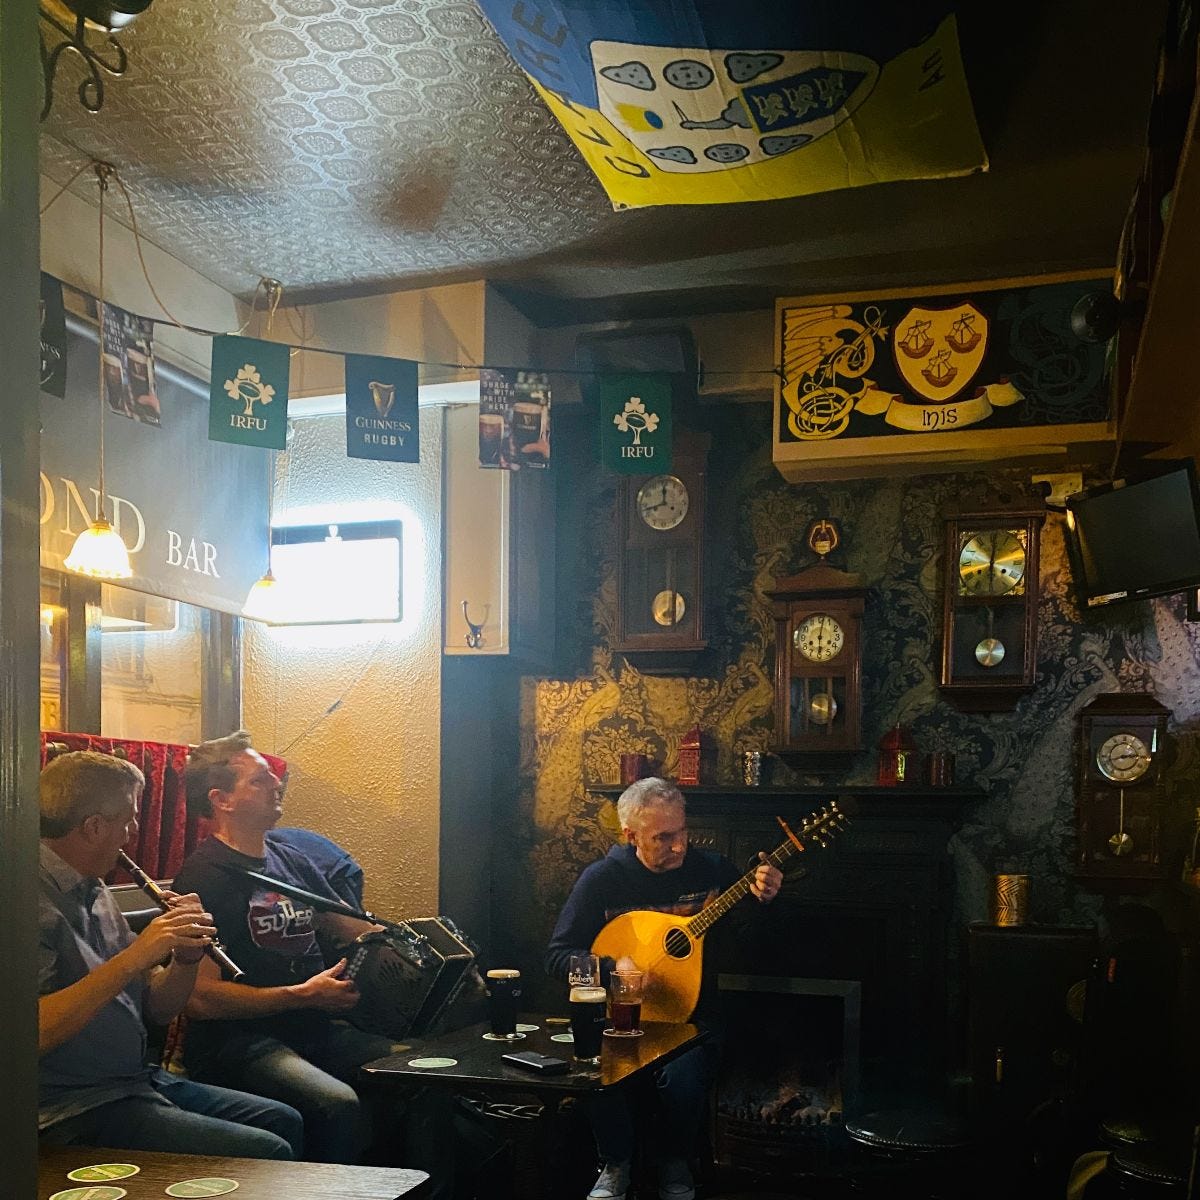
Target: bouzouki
{"points": [[670, 948]]}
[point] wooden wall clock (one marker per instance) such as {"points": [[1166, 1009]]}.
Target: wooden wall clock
{"points": [[818, 662], [660, 568], [1120, 801], [990, 606]]}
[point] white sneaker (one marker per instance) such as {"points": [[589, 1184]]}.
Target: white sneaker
{"points": [[612, 1184], [675, 1180]]}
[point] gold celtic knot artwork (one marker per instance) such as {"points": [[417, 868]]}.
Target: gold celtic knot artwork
{"points": [[824, 352]]}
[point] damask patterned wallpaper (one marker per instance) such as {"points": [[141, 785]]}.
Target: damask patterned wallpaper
{"points": [[574, 726]]}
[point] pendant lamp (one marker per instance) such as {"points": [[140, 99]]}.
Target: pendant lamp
{"points": [[99, 551]]}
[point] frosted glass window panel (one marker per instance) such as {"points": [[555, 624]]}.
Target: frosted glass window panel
{"points": [[151, 654], [338, 574]]}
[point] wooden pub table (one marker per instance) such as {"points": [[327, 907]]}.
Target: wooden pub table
{"points": [[478, 1070], [257, 1178]]}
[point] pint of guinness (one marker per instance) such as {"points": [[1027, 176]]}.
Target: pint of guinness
{"points": [[588, 1019]]}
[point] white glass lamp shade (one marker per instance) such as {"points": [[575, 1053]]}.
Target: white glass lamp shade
{"points": [[99, 553], [264, 601]]}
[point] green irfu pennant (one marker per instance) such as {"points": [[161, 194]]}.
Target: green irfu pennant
{"points": [[635, 423], [248, 392]]}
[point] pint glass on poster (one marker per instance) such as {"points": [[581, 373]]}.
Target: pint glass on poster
{"points": [[491, 434], [526, 424], [625, 1004], [504, 991], [588, 1019]]}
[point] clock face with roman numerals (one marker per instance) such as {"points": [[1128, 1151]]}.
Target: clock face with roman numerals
{"points": [[1123, 758], [819, 638]]}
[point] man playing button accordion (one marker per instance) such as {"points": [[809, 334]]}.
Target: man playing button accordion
{"points": [[276, 1032]]}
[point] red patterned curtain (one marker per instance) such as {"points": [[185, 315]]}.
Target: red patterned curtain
{"points": [[166, 835]]}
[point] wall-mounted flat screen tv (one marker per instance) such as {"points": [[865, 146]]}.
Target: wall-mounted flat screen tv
{"points": [[1137, 540]]}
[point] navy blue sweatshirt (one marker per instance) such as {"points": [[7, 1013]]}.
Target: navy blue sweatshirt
{"points": [[619, 883]]}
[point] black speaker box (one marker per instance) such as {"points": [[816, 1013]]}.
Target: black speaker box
{"points": [[1026, 991]]}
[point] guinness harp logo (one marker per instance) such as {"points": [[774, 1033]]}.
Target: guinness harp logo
{"points": [[384, 396]]}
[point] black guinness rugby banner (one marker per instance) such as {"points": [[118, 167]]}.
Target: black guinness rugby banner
{"points": [[381, 409]]}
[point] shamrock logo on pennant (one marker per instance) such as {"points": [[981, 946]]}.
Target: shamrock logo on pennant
{"points": [[635, 417], [248, 386]]}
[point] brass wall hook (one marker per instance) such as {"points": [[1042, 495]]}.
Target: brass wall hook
{"points": [[475, 632]]}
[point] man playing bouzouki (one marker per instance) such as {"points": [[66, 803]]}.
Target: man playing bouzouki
{"points": [[655, 870]]}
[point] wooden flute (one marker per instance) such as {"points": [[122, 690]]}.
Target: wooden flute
{"points": [[214, 949]]}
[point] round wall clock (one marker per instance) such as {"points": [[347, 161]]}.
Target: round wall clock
{"points": [[989, 610], [660, 565], [1120, 802], [662, 502], [819, 637], [818, 662]]}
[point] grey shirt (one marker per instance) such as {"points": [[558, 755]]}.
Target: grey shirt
{"points": [[79, 928]]}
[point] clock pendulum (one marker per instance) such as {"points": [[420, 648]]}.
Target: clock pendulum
{"points": [[990, 650], [660, 572], [822, 708], [1120, 843], [989, 605], [1120, 804]]}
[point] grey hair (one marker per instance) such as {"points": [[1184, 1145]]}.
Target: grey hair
{"points": [[646, 793], [81, 784], [208, 767]]}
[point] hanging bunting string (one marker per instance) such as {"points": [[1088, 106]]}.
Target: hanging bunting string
{"points": [[273, 291]]}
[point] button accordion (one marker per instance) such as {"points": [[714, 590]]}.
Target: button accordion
{"points": [[417, 978]]}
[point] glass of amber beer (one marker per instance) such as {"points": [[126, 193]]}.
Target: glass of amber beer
{"points": [[625, 1004]]}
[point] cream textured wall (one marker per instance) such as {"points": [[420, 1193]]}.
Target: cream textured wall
{"points": [[368, 774]]}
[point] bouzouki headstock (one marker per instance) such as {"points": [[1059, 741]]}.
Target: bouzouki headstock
{"points": [[818, 828]]}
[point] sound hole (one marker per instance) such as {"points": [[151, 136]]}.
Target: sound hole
{"points": [[678, 944]]}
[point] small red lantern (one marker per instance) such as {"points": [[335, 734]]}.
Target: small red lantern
{"points": [[897, 758], [690, 752]]}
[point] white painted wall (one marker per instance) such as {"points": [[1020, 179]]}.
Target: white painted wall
{"points": [[368, 774]]}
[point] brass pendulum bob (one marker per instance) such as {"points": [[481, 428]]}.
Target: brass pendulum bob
{"points": [[1121, 843]]}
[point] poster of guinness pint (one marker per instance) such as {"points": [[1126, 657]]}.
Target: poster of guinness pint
{"points": [[514, 419], [920, 364], [129, 366]]}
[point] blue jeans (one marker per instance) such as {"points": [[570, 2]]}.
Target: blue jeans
{"points": [[671, 1105], [197, 1119], [313, 1073]]}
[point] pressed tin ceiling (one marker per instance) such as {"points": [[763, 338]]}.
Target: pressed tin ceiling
{"points": [[355, 146]]}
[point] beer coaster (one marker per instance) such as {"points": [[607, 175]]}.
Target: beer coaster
{"points": [[620, 1033], [561, 1037], [433, 1062], [527, 1028], [503, 1037], [558, 1020], [102, 1172], [191, 1188], [91, 1193]]}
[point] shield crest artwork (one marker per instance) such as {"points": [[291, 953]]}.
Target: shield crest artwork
{"points": [[939, 352], [936, 375]]}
